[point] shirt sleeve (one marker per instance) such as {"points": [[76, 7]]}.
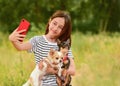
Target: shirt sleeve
{"points": [[70, 55], [34, 42]]}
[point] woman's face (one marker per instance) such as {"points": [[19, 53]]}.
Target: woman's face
{"points": [[55, 26]]}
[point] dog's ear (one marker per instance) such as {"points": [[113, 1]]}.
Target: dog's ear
{"points": [[58, 42], [68, 41], [51, 52]]}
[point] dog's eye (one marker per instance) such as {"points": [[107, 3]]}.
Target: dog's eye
{"points": [[56, 57]]}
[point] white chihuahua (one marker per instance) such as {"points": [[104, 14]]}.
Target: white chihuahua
{"points": [[54, 59]]}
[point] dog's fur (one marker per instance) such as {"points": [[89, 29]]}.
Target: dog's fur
{"points": [[54, 60], [64, 79]]}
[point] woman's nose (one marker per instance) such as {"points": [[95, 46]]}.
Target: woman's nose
{"points": [[56, 28]]}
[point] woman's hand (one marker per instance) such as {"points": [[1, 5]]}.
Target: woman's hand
{"points": [[17, 40], [15, 36], [50, 70], [71, 69]]}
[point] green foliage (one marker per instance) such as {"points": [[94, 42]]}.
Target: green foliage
{"points": [[87, 15]]}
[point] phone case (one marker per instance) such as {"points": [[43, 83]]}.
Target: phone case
{"points": [[24, 25]]}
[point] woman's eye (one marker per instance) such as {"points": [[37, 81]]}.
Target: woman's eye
{"points": [[54, 23], [60, 27]]}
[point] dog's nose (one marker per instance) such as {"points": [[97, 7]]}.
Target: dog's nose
{"points": [[60, 61]]}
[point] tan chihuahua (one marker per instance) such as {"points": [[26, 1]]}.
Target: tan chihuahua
{"points": [[54, 57]]}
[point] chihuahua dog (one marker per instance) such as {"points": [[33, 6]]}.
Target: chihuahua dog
{"points": [[64, 79], [54, 60]]}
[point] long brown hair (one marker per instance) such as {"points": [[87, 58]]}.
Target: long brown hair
{"points": [[66, 32]]}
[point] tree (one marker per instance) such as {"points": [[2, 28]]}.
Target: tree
{"points": [[87, 15]]}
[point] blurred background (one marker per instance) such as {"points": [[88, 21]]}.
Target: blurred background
{"points": [[87, 15], [95, 39]]}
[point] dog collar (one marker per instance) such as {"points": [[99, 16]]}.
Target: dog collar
{"points": [[65, 58]]}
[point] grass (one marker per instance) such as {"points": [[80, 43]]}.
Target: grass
{"points": [[97, 61]]}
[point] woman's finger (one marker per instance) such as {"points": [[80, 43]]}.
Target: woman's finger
{"points": [[16, 29], [21, 31], [21, 36], [20, 39]]}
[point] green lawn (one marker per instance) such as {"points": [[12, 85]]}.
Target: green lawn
{"points": [[97, 60]]}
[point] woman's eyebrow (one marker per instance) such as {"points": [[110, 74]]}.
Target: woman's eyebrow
{"points": [[60, 25]]}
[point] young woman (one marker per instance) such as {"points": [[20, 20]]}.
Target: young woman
{"points": [[58, 27]]}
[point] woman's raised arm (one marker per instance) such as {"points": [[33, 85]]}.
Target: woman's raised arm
{"points": [[16, 38]]}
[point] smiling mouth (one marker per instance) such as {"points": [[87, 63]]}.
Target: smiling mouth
{"points": [[54, 32]]}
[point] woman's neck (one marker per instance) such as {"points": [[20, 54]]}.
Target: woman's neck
{"points": [[51, 39]]}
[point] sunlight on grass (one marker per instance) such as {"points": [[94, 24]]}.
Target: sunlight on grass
{"points": [[97, 61]]}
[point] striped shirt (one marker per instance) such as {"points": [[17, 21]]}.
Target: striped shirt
{"points": [[40, 48]]}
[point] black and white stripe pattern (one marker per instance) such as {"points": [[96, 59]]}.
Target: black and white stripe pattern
{"points": [[40, 48]]}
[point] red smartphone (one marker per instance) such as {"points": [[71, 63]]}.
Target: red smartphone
{"points": [[24, 25]]}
